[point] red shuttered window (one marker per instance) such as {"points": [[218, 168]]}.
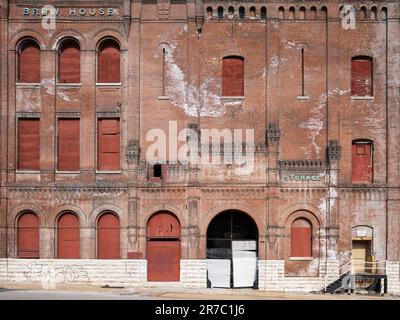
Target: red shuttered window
{"points": [[109, 62], [68, 145], [108, 237], [28, 236], [361, 76], [108, 144], [301, 238], [233, 76], [68, 242], [361, 162], [28, 144], [69, 62], [29, 62]]}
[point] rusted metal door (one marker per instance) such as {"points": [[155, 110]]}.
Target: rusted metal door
{"points": [[361, 163], [29, 63], [68, 244], [69, 63], [361, 76], [163, 248], [301, 244], [28, 236], [233, 76], [109, 62], [108, 237], [68, 145], [28, 144]]}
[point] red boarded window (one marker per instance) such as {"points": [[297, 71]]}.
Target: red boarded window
{"points": [[29, 62], [301, 241], [68, 242], [361, 76], [28, 236], [108, 237], [69, 62], [233, 76], [361, 162], [108, 144], [109, 62], [28, 144], [68, 145]]}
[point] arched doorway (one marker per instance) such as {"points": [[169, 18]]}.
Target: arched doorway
{"points": [[108, 237], [232, 251], [28, 236], [68, 239], [163, 247]]}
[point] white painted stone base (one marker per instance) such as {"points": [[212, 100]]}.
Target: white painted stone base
{"points": [[194, 273], [271, 277], [393, 276]]}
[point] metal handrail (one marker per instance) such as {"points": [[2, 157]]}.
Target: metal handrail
{"points": [[334, 273]]}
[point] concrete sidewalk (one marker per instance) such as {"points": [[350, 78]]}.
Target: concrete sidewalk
{"points": [[21, 291]]}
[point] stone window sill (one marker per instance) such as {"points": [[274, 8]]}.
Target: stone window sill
{"points": [[301, 258], [28, 84], [163, 98], [362, 98], [27, 171], [232, 97], [109, 172], [303, 97], [68, 172], [68, 85], [98, 84]]}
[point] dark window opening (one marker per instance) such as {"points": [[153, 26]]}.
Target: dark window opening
{"points": [[263, 13], [220, 12], [241, 12], [157, 171]]}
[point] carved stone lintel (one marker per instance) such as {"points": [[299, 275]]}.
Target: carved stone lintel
{"points": [[133, 151], [334, 150], [273, 133]]}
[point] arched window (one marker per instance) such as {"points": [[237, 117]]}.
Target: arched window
{"points": [[68, 239], [263, 13], [108, 237], [363, 13], [69, 62], [29, 62], [301, 238], [109, 62], [241, 12], [28, 236], [220, 12], [281, 13], [373, 13], [209, 12], [324, 12], [362, 161], [384, 13], [231, 12], [291, 13], [252, 12], [302, 13], [313, 13], [233, 76], [361, 76]]}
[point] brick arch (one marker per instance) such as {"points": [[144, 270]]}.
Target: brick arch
{"points": [[163, 207], [23, 34], [24, 207], [244, 209], [100, 35], [288, 214], [99, 210], [78, 211], [59, 37]]}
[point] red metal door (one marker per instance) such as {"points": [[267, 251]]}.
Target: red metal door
{"points": [[28, 236], [29, 63], [163, 248], [361, 77], [68, 237], [361, 163], [109, 62], [68, 145], [301, 241], [70, 63], [108, 237]]}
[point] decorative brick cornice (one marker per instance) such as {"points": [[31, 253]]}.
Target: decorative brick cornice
{"points": [[302, 165]]}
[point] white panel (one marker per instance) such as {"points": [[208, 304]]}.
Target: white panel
{"points": [[219, 273], [244, 245], [244, 268]]}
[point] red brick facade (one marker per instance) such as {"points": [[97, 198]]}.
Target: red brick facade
{"points": [[298, 68]]}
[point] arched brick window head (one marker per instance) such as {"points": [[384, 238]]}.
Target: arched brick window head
{"points": [[68, 240], [233, 76], [361, 76], [109, 62], [28, 236], [361, 163], [301, 238], [69, 62], [29, 62], [108, 237]]}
